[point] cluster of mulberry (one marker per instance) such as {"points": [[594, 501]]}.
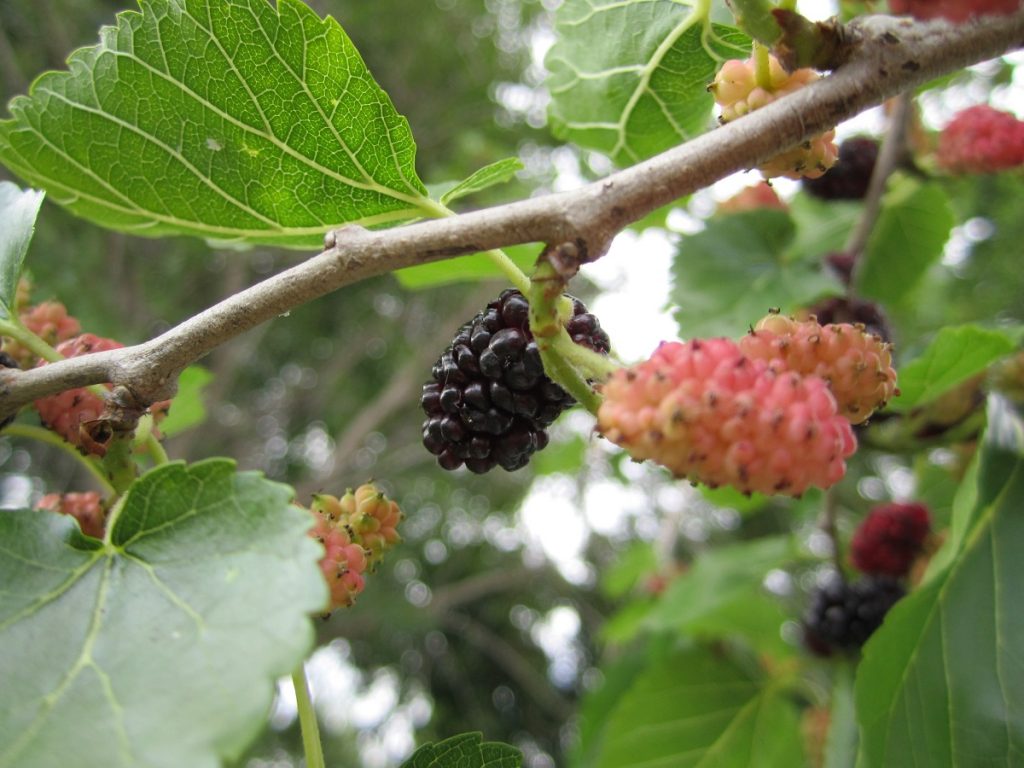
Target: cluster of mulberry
{"points": [[737, 90], [87, 508], [66, 412], [770, 414], [356, 530], [843, 615], [981, 139], [488, 402]]}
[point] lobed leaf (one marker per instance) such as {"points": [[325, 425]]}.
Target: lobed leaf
{"points": [[160, 646], [643, 89], [727, 277], [18, 212], [233, 120]]}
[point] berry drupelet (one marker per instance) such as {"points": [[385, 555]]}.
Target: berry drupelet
{"points": [[488, 401]]}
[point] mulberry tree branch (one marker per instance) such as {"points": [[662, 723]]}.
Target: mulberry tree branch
{"points": [[883, 56]]}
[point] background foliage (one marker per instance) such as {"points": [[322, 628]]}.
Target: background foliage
{"points": [[475, 624]]}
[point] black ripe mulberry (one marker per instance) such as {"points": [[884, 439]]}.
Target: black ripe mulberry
{"points": [[488, 401], [848, 179], [842, 616]]}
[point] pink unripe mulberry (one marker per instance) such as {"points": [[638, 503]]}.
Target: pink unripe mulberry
{"points": [[890, 538], [49, 321], [856, 364], [712, 415], [738, 92], [981, 139], [343, 563], [86, 508]]}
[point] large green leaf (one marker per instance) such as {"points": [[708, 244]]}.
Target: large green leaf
{"points": [[227, 119], [954, 355], [18, 212], [630, 78], [942, 682], [726, 277], [699, 709], [160, 646], [907, 239], [468, 750]]}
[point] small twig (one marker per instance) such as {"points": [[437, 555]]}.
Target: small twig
{"points": [[828, 524], [892, 150]]}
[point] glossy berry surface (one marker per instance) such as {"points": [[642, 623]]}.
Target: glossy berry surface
{"points": [[842, 616], [488, 402], [890, 538]]}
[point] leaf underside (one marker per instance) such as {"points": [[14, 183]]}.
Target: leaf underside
{"points": [[643, 89], [232, 120]]}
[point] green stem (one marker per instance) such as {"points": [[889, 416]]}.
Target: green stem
{"points": [[497, 256], [156, 450], [119, 463], [307, 720], [762, 66], [51, 438], [15, 330]]}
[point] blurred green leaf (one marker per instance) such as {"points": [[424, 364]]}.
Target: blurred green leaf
{"points": [[722, 593], [627, 622], [699, 708], [234, 121], [954, 355], [842, 740], [643, 89], [468, 750], [488, 176], [18, 212], [565, 456], [728, 276], [600, 703], [822, 226], [907, 239], [472, 268], [637, 561], [945, 662], [160, 647], [187, 409]]}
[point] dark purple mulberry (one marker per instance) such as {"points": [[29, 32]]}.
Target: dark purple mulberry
{"points": [[848, 179], [842, 616], [488, 401]]}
